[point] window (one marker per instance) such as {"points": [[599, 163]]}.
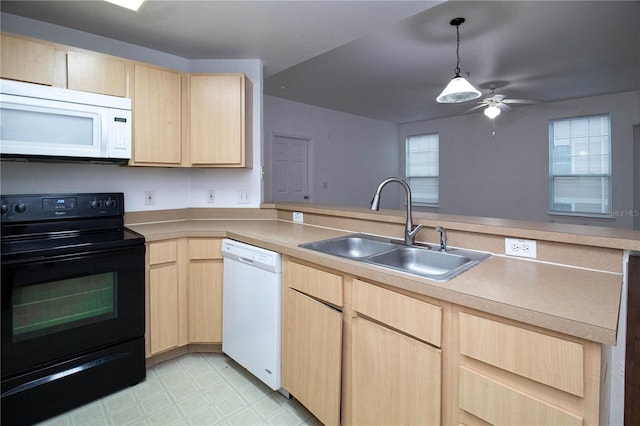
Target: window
{"points": [[422, 167], [580, 165]]}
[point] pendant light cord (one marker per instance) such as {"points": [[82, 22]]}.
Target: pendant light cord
{"points": [[458, 50]]}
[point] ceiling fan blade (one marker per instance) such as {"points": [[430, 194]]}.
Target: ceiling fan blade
{"points": [[482, 105], [520, 101], [504, 107], [498, 97]]}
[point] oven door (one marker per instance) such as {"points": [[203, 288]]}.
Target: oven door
{"points": [[61, 307]]}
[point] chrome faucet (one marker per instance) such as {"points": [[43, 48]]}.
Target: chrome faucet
{"points": [[410, 231], [443, 238]]}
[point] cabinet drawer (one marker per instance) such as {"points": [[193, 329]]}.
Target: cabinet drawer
{"points": [[205, 248], [163, 252], [417, 318], [549, 360], [498, 403], [314, 282]]}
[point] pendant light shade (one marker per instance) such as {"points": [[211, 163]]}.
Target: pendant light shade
{"points": [[458, 90], [492, 111]]}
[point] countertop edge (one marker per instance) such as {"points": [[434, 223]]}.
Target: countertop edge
{"points": [[196, 228]]}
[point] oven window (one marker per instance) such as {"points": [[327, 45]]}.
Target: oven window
{"points": [[55, 306]]}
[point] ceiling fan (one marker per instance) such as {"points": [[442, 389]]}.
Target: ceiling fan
{"points": [[496, 103]]}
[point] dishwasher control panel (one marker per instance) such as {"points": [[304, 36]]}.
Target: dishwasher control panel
{"points": [[256, 256]]}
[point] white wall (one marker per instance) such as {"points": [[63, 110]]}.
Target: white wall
{"points": [[174, 187], [507, 175], [350, 154]]}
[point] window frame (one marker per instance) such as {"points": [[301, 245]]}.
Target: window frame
{"points": [[604, 209], [408, 177]]}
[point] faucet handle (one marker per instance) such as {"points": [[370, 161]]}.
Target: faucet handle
{"points": [[415, 230]]}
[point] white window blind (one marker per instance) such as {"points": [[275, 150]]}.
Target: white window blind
{"points": [[422, 167], [580, 165]]}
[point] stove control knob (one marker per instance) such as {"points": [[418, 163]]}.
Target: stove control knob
{"points": [[5, 208], [110, 203], [20, 208], [95, 204]]}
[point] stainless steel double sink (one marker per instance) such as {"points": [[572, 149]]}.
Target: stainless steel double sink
{"points": [[426, 261]]}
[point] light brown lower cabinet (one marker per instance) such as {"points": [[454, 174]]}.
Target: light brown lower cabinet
{"points": [[204, 277], [312, 341], [314, 353], [165, 297], [396, 362], [396, 380], [511, 373], [184, 293]]}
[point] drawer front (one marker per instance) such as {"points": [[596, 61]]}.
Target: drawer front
{"points": [[205, 248], [545, 359], [163, 252], [314, 282], [498, 404], [414, 317]]}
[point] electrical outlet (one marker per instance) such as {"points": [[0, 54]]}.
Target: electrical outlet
{"points": [[149, 198], [243, 197], [298, 217], [211, 196], [522, 248]]}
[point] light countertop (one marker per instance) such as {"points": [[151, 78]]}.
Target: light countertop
{"points": [[575, 301]]}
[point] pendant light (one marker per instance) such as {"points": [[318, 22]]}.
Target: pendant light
{"points": [[458, 90]]}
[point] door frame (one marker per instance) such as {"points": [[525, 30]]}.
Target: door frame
{"points": [[636, 177], [310, 141]]}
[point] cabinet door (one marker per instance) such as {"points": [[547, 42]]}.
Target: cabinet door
{"points": [[312, 352], [205, 301], [27, 60], [163, 307], [217, 120], [205, 290], [396, 379], [156, 116], [92, 72]]}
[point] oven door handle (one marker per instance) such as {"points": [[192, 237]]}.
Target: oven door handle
{"points": [[57, 376]]}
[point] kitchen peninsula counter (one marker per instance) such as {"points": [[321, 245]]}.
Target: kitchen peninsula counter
{"points": [[572, 300]]}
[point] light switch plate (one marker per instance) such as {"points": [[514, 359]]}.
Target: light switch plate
{"points": [[521, 248], [298, 217]]}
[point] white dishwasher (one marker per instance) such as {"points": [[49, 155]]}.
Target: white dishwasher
{"points": [[251, 309]]}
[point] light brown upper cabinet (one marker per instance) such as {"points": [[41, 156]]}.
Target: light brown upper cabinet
{"points": [[27, 60], [220, 111], [96, 73], [156, 117]]}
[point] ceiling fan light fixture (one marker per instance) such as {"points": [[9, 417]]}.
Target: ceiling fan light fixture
{"points": [[492, 111], [459, 89]]}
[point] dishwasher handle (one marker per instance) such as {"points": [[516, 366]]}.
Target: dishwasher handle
{"points": [[244, 260]]}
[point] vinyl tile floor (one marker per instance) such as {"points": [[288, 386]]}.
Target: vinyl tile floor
{"points": [[194, 389]]}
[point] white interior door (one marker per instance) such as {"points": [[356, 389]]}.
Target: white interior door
{"points": [[290, 169]]}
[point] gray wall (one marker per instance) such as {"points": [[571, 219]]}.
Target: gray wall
{"points": [[350, 154], [507, 175]]}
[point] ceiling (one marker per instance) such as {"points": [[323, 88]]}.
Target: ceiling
{"points": [[386, 60]]}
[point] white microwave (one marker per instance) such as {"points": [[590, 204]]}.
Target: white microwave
{"points": [[48, 123]]}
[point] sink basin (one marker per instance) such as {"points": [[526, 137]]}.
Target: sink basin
{"points": [[356, 246], [424, 261], [427, 263]]}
